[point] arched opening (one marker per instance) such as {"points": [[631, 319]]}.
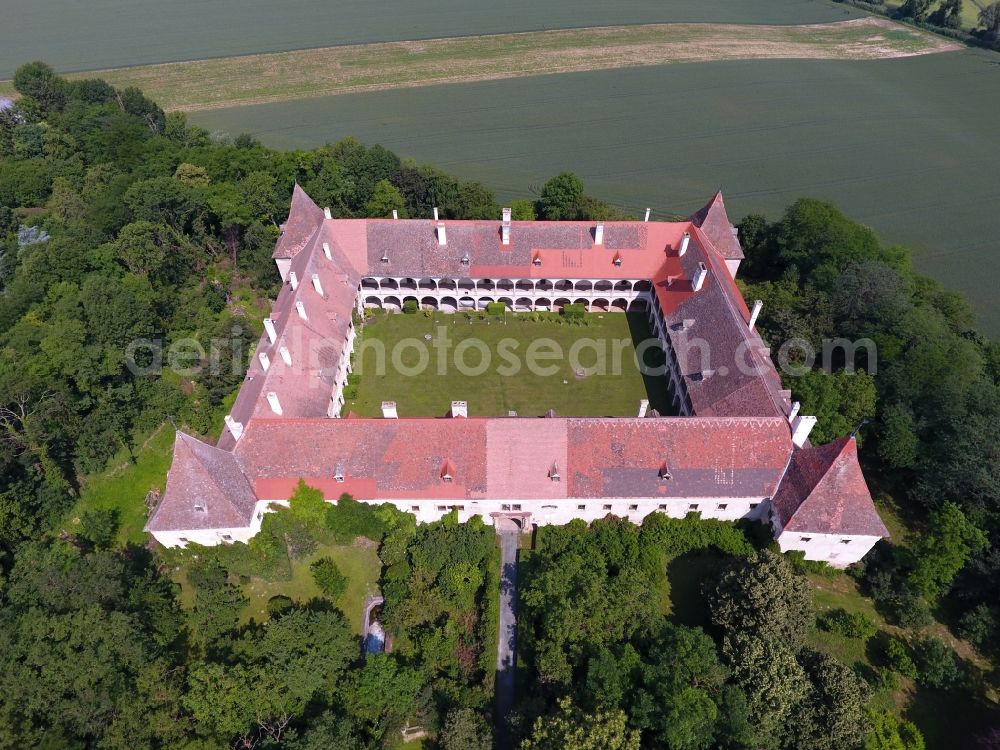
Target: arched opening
{"points": [[584, 286], [389, 284], [543, 285], [466, 303], [373, 302], [623, 286], [466, 285], [486, 285], [563, 285], [619, 305], [602, 286], [642, 286], [560, 303], [446, 284], [508, 302], [392, 303], [449, 304], [411, 297], [484, 301], [584, 302], [410, 284], [543, 303], [429, 303], [522, 304], [369, 284], [600, 304], [428, 284], [525, 285], [505, 285], [637, 305]]}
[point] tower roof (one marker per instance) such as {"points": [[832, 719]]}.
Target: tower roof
{"points": [[206, 489], [304, 218], [714, 222], [824, 492]]}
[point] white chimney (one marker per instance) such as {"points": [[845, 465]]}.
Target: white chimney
{"points": [[293, 279], [272, 400], [599, 233], [685, 241], [699, 277], [265, 361], [758, 305], [326, 251], [327, 214], [795, 411], [236, 428], [389, 410], [442, 237], [285, 355], [801, 429], [648, 210], [395, 213], [272, 333], [643, 407], [459, 409], [317, 285], [302, 310], [505, 227], [435, 213]]}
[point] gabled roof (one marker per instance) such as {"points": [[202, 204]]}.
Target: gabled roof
{"points": [[714, 222], [824, 492], [304, 218], [206, 489]]}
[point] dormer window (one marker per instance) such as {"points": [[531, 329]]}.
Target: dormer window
{"points": [[554, 473], [618, 260], [385, 257], [446, 477], [537, 260], [447, 472], [338, 473], [664, 473], [200, 509], [466, 259]]}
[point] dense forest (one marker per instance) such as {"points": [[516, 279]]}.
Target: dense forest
{"points": [[119, 222]]}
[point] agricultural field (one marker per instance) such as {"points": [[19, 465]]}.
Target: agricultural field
{"points": [[75, 36], [255, 79], [584, 388], [909, 146]]}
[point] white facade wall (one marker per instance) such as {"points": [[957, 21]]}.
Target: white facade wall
{"points": [[212, 537], [839, 550]]}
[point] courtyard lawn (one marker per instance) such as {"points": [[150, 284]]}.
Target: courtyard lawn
{"points": [[359, 562], [391, 349]]}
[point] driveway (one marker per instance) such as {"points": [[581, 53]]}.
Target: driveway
{"points": [[506, 646]]}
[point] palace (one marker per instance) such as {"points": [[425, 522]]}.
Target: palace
{"points": [[738, 449]]}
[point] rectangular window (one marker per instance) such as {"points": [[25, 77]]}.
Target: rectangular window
{"points": [[227, 538], [607, 507], [415, 508], [805, 539], [200, 508], [182, 540], [505, 507], [517, 507], [633, 507], [661, 507], [721, 506], [458, 507], [581, 507], [693, 506], [442, 507], [845, 541]]}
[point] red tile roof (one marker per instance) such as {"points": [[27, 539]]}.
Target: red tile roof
{"points": [[714, 222], [824, 492], [304, 218]]}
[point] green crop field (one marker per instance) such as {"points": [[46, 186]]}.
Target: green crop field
{"points": [[578, 386], [909, 146], [111, 33]]}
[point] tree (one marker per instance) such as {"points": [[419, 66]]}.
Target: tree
{"points": [[328, 577], [948, 14], [192, 175], [476, 201], [889, 733], [832, 715], [989, 17], [840, 401], [561, 197], [39, 81], [762, 595], [940, 554], [522, 210], [465, 729], [936, 667], [915, 9], [385, 199], [572, 728]]}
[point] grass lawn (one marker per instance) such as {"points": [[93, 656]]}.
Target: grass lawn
{"points": [[359, 562], [124, 484], [614, 390]]}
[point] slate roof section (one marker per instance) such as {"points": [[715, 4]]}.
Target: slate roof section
{"points": [[824, 492], [209, 478], [714, 222]]}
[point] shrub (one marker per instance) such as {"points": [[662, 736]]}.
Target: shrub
{"points": [[936, 664], [99, 526], [912, 610], [574, 311], [279, 605], [897, 654], [978, 626], [348, 519], [847, 624], [410, 306], [496, 309], [328, 577]]}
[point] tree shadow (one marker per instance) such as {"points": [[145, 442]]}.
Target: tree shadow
{"points": [[657, 386], [687, 574]]}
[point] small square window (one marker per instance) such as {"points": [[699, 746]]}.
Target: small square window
{"points": [[442, 507], [182, 540], [721, 506], [505, 507], [458, 507], [446, 478], [517, 507], [581, 507], [805, 539], [199, 508], [845, 541], [227, 538], [415, 508], [661, 506], [693, 506], [607, 507], [633, 507]]}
